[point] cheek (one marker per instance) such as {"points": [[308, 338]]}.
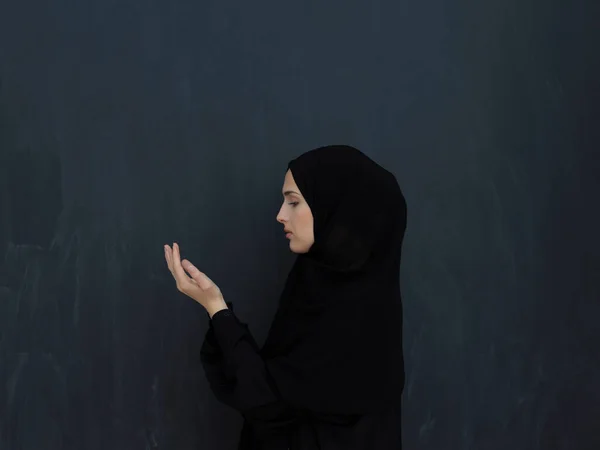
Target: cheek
{"points": [[307, 225]]}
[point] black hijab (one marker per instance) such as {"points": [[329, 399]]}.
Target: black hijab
{"points": [[335, 344]]}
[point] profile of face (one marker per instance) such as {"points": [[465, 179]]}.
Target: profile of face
{"points": [[296, 216]]}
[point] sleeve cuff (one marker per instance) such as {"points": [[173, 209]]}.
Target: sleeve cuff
{"points": [[227, 329], [229, 305]]}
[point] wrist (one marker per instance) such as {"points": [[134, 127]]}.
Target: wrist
{"points": [[216, 307]]}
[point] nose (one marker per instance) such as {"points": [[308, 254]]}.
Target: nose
{"points": [[279, 217]]}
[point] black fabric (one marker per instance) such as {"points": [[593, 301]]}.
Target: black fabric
{"points": [[238, 378], [331, 374], [335, 345]]}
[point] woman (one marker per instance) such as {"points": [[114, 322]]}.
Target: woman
{"points": [[330, 375]]}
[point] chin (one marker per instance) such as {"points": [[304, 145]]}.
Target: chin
{"points": [[299, 249]]}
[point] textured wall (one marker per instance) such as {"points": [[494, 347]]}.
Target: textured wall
{"points": [[127, 125]]}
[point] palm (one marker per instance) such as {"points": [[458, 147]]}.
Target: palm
{"points": [[194, 283]]}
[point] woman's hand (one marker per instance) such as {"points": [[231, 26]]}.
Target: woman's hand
{"points": [[197, 285]]}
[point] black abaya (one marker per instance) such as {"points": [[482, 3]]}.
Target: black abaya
{"points": [[237, 376]]}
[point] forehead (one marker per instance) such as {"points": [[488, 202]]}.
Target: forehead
{"points": [[289, 184], [289, 178]]}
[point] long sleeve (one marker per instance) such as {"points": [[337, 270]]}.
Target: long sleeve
{"points": [[238, 376]]}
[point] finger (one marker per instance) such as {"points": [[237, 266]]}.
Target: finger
{"points": [[166, 249], [178, 271], [199, 277], [169, 257]]}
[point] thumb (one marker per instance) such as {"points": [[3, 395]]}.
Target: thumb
{"points": [[199, 277]]}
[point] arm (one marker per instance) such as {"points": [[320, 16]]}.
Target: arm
{"points": [[238, 377]]}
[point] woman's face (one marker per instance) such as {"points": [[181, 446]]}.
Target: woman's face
{"points": [[296, 216]]}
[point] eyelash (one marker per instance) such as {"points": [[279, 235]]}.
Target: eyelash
{"points": [[293, 203]]}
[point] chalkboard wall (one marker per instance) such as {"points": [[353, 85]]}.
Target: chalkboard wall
{"points": [[128, 125]]}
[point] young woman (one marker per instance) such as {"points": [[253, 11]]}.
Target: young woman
{"points": [[330, 375]]}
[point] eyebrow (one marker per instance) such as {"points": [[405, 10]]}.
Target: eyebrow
{"points": [[290, 192]]}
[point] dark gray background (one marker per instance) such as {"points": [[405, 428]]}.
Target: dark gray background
{"points": [[127, 125]]}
